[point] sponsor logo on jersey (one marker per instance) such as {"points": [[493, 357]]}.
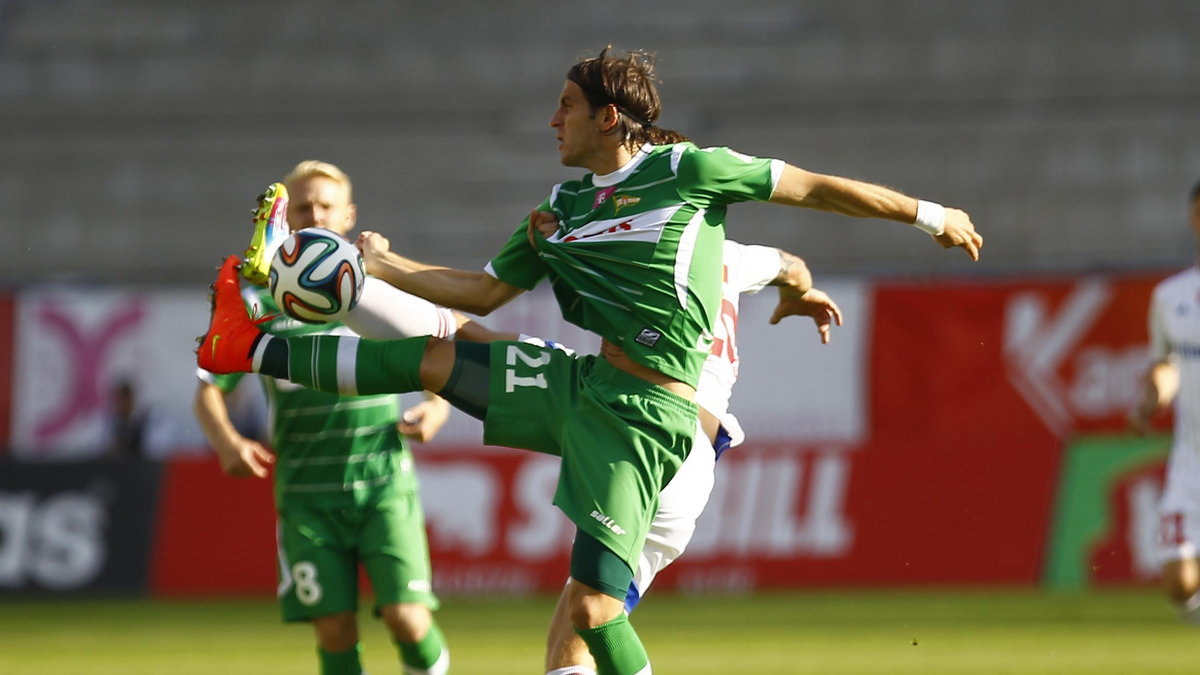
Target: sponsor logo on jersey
{"points": [[646, 226], [602, 196], [622, 227], [621, 201], [648, 337]]}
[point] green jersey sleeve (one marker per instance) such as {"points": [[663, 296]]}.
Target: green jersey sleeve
{"points": [[518, 264], [713, 177]]}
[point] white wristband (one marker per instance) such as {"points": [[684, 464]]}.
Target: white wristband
{"points": [[931, 218]]}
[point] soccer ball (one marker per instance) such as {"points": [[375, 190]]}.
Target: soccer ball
{"points": [[316, 276]]}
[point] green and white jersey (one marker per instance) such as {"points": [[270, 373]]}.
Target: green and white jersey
{"points": [[332, 450], [637, 256]]}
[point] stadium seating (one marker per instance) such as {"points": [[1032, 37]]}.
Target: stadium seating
{"points": [[135, 133]]}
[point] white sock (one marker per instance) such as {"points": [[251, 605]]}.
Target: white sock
{"points": [[384, 312], [441, 667], [259, 350], [572, 670], [1189, 610]]}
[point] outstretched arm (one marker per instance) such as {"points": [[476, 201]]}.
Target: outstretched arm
{"points": [[949, 227], [474, 292]]}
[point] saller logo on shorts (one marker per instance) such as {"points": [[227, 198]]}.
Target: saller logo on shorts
{"points": [[648, 337], [608, 522]]}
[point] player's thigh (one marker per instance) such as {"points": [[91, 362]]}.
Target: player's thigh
{"points": [[395, 552], [625, 439], [318, 569], [679, 507], [683, 499], [1179, 508]]}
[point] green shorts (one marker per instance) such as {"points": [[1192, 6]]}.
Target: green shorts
{"points": [[620, 437], [320, 550]]}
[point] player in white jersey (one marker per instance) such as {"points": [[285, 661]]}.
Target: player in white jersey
{"points": [[1174, 377], [747, 269]]}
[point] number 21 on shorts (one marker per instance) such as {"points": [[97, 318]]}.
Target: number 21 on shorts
{"points": [[512, 355]]}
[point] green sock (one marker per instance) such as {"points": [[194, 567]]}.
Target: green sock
{"points": [[424, 654], [340, 663], [616, 647], [376, 367]]}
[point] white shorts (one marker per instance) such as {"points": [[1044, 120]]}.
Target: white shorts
{"points": [[679, 505], [1179, 509]]}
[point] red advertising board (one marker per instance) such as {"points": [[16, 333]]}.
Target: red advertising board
{"points": [[781, 515], [1011, 372], [214, 534], [973, 390], [962, 360]]}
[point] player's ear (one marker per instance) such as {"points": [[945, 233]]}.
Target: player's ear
{"points": [[351, 217], [609, 116]]}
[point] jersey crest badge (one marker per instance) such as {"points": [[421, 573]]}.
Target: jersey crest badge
{"points": [[621, 201]]}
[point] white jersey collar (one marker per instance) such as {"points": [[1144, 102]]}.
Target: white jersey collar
{"points": [[622, 173]]}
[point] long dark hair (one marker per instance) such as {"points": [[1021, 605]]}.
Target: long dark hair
{"points": [[629, 83]]}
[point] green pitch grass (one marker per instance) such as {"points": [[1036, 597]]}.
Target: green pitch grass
{"points": [[858, 631]]}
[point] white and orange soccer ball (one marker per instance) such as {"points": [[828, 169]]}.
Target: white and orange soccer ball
{"points": [[316, 276]]}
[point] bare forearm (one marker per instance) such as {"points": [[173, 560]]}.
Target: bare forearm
{"points": [[845, 196], [949, 227], [212, 416], [793, 274], [473, 331], [474, 292]]}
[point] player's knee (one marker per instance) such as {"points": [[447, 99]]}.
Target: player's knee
{"points": [[1178, 589], [437, 363], [592, 610], [407, 622], [336, 632], [1181, 579]]}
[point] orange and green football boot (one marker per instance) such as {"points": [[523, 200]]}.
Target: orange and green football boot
{"points": [[270, 229], [228, 346]]}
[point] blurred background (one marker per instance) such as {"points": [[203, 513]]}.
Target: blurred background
{"points": [[966, 425]]}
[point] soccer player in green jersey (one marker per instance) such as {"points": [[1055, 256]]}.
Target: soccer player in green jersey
{"points": [[637, 260], [345, 485]]}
